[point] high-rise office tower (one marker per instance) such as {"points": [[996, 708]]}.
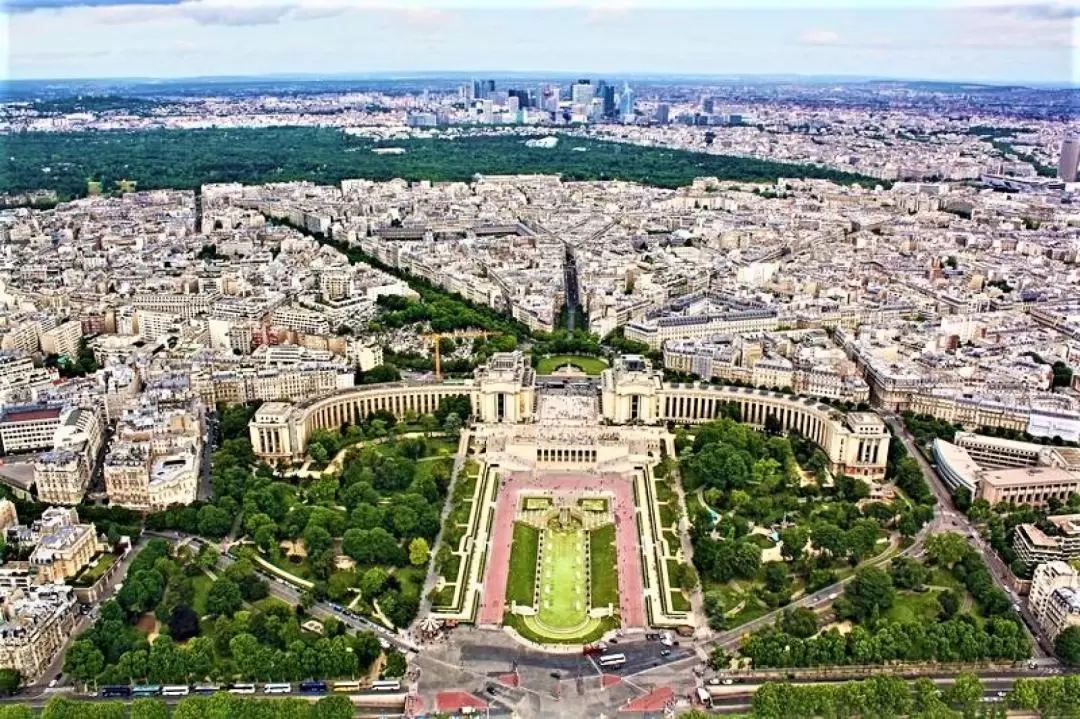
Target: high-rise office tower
{"points": [[708, 105], [626, 102], [482, 89], [581, 93], [663, 113], [1070, 159], [524, 98], [607, 100]]}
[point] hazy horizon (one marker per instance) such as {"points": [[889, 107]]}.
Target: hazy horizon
{"points": [[1018, 43]]}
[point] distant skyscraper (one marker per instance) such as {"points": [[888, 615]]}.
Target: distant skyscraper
{"points": [[607, 99], [626, 102], [581, 93], [482, 89], [663, 113], [524, 98], [1070, 159], [708, 105]]}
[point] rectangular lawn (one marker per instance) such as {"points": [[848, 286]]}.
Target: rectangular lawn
{"points": [[562, 579], [521, 578], [603, 566]]}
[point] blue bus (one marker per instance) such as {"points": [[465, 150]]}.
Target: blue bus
{"points": [[115, 690], [314, 687], [146, 690]]}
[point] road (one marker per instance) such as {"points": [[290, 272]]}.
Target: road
{"points": [[571, 287], [949, 520], [210, 443]]}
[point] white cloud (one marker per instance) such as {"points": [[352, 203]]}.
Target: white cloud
{"points": [[819, 36]]}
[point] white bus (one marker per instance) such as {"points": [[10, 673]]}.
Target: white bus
{"points": [[175, 690], [343, 687], [386, 685], [612, 660], [277, 688], [242, 689]]}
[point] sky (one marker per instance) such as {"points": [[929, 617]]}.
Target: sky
{"points": [[1008, 41]]}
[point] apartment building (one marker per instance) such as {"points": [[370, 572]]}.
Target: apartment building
{"points": [[62, 340], [654, 332], [1046, 578], [154, 325], [62, 545], [186, 306], [301, 320], [249, 384], [28, 428], [1035, 546], [60, 477], [155, 459], [138, 479], [1054, 598], [15, 368], [364, 356], [35, 622], [19, 338]]}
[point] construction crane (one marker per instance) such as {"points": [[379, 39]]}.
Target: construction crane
{"points": [[436, 338]]}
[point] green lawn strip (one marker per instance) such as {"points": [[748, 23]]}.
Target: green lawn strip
{"points": [[521, 580], [589, 365], [679, 602], [562, 579], [603, 566], [667, 515], [663, 491]]}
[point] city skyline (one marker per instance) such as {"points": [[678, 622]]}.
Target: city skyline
{"points": [[1025, 43]]}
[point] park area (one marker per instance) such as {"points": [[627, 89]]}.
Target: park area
{"points": [[591, 366]]}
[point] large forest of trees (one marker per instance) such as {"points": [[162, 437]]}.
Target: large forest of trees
{"points": [[188, 158]]}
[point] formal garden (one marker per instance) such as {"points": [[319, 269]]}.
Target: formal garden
{"points": [[563, 570]]}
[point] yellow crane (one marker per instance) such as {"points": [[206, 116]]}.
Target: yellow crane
{"points": [[436, 339]]}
